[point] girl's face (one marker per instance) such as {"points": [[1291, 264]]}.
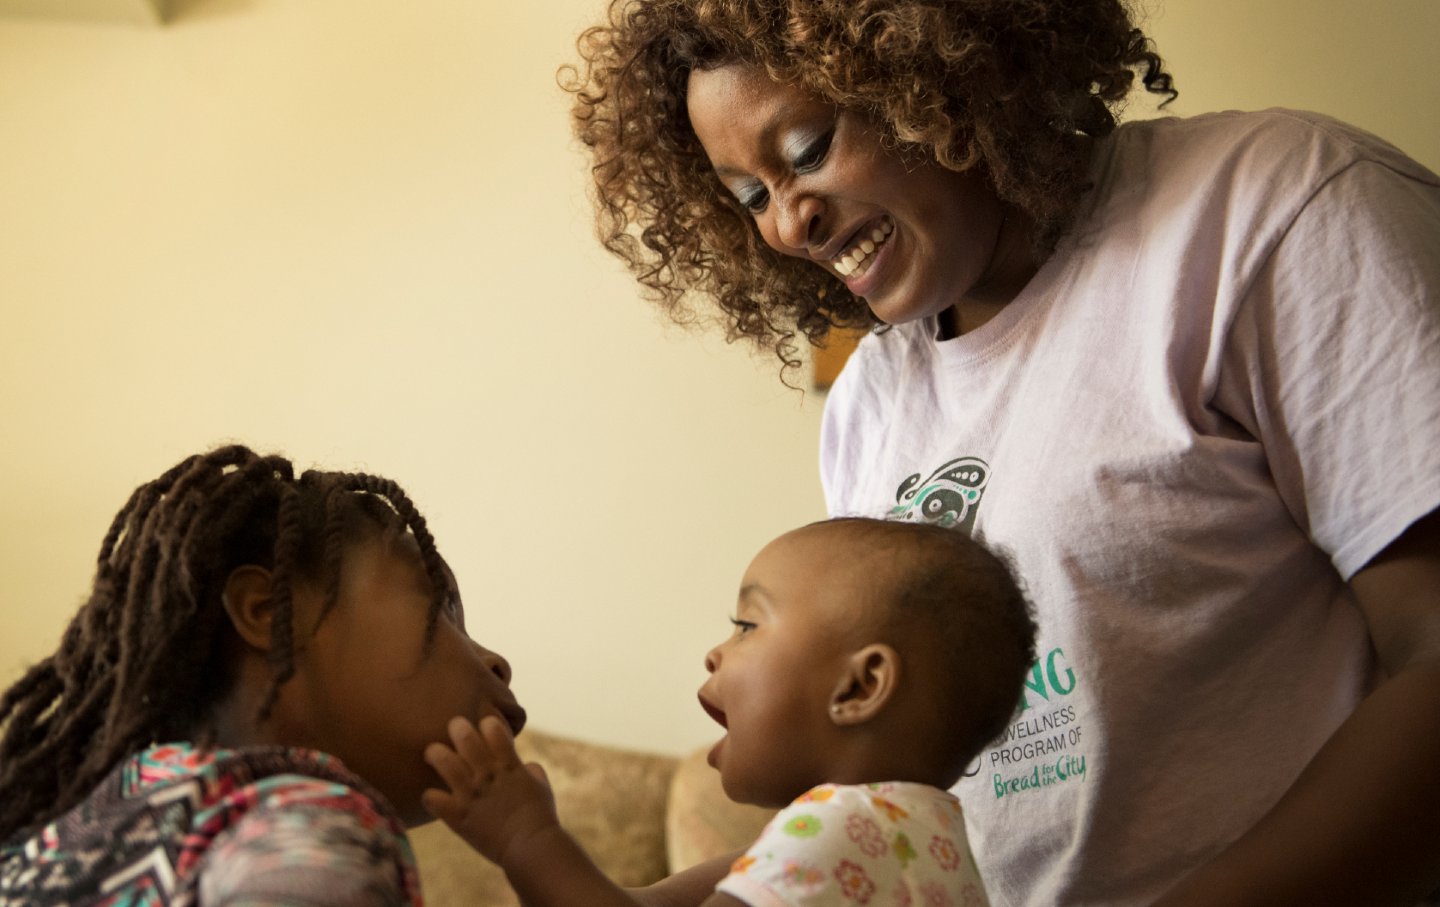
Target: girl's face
{"points": [[365, 689], [908, 236], [772, 681]]}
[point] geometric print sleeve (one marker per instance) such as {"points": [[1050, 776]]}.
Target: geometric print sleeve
{"points": [[303, 855], [176, 824], [897, 844]]}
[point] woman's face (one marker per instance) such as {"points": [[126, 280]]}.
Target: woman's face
{"points": [[908, 236]]}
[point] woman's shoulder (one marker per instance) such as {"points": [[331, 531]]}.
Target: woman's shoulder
{"points": [[1297, 144]]}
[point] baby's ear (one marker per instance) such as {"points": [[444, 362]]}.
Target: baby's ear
{"points": [[249, 599], [867, 683]]}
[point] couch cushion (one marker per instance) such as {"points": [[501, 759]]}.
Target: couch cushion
{"points": [[700, 821]]}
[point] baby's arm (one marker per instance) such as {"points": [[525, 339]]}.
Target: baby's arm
{"points": [[504, 809]]}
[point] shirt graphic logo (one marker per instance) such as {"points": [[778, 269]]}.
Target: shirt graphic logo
{"points": [[950, 497]]}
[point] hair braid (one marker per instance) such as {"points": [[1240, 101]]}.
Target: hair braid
{"points": [[282, 624], [144, 658], [412, 520]]}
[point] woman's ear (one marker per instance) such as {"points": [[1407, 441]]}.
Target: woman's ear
{"points": [[868, 682], [249, 599]]}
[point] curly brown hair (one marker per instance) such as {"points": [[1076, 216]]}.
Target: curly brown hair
{"points": [[1015, 88]]}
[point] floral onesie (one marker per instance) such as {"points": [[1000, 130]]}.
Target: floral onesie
{"points": [[896, 843]]}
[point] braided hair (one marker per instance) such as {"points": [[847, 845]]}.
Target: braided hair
{"points": [[144, 660]]}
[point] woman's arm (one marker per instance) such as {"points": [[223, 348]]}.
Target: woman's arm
{"points": [[1361, 825]]}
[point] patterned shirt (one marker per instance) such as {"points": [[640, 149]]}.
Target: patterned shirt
{"points": [[896, 844], [175, 825]]}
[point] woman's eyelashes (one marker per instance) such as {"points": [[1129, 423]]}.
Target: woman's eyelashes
{"points": [[812, 154], [753, 198], [808, 158]]}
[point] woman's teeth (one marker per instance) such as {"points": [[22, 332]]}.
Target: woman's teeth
{"points": [[853, 262]]}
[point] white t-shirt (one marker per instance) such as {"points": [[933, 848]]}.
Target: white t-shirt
{"points": [[1216, 401], [894, 843]]}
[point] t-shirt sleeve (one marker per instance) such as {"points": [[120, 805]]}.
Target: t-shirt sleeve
{"points": [[1333, 360], [330, 852]]}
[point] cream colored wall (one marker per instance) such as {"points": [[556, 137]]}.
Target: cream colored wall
{"points": [[1372, 64], [355, 231]]}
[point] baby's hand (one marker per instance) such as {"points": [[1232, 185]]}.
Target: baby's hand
{"points": [[496, 803]]}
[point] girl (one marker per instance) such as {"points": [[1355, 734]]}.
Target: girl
{"points": [[238, 712]]}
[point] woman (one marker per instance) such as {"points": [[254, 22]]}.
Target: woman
{"points": [[1186, 371]]}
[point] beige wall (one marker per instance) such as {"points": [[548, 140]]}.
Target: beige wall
{"points": [[355, 231]]}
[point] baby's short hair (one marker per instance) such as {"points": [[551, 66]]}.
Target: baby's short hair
{"points": [[956, 600]]}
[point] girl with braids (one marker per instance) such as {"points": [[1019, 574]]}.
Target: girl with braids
{"points": [[238, 713], [1186, 370]]}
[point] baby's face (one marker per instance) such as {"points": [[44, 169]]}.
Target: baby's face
{"points": [[772, 682]]}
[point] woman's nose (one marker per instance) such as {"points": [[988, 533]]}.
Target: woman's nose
{"points": [[797, 222]]}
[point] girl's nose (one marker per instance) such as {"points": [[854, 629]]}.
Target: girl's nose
{"points": [[712, 659], [497, 664]]}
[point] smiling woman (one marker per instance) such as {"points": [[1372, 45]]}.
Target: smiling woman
{"points": [[1186, 371], [912, 79]]}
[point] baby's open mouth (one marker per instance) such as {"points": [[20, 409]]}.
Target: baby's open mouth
{"points": [[855, 259], [714, 713]]}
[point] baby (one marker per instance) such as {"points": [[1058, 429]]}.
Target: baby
{"points": [[870, 662]]}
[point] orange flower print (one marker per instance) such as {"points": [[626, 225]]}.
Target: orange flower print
{"points": [[802, 827], [854, 883], [935, 895], [891, 810], [742, 864], [948, 815], [945, 853], [866, 835], [904, 850], [816, 795], [799, 875], [901, 897]]}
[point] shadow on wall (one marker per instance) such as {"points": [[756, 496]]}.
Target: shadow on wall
{"points": [[124, 12], [179, 11]]}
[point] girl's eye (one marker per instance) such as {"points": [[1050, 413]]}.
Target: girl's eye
{"points": [[742, 626]]}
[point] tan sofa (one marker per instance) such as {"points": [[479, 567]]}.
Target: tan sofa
{"points": [[639, 815]]}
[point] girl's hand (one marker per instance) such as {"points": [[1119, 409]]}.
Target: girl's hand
{"points": [[500, 806]]}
